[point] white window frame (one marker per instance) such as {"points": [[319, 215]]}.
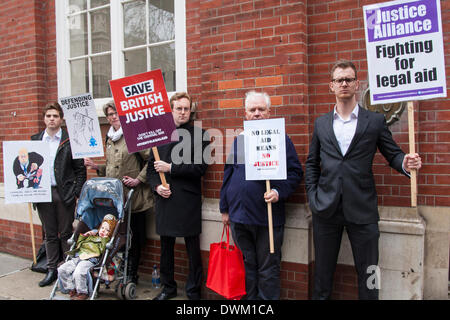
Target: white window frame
{"points": [[117, 48]]}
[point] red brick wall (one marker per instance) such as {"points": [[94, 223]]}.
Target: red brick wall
{"points": [[244, 45], [285, 47], [295, 277], [27, 67], [15, 238], [434, 135], [336, 31]]}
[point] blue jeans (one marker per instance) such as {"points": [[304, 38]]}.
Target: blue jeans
{"points": [[262, 269]]}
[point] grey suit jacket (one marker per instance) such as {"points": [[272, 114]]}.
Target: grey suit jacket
{"points": [[331, 176]]}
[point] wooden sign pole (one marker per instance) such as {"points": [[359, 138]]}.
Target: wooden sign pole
{"points": [[161, 174], [269, 213], [32, 232], [412, 150]]}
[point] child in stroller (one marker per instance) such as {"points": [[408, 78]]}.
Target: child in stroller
{"points": [[89, 247], [101, 200]]}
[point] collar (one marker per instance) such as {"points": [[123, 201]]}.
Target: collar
{"points": [[353, 115], [57, 135]]}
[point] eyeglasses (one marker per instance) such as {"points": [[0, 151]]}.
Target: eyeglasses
{"points": [[112, 114], [340, 81], [181, 110]]}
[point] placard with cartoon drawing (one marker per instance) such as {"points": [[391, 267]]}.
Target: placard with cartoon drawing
{"points": [[26, 171], [83, 126]]}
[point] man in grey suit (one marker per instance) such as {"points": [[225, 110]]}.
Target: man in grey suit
{"points": [[340, 183]]}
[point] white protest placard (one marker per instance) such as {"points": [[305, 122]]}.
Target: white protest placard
{"points": [[26, 171], [83, 126], [405, 51], [265, 149]]}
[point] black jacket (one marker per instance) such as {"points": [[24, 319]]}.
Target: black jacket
{"points": [[332, 177], [181, 214], [70, 174]]}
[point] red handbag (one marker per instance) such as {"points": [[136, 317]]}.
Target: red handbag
{"points": [[226, 272]]}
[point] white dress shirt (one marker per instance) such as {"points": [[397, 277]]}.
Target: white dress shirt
{"points": [[344, 130], [53, 143]]}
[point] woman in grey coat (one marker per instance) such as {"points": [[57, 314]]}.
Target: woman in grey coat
{"points": [[132, 170]]}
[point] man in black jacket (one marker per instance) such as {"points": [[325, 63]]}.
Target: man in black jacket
{"points": [[341, 186], [67, 177], [179, 205]]}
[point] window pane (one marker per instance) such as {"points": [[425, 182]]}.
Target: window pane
{"points": [[134, 23], [98, 3], [101, 74], [163, 57], [135, 61], [161, 21], [78, 35], [101, 31], [148, 29], [79, 76], [77, 5]]}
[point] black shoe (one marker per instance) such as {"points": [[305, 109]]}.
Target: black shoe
{"points": [[52, 275], [135, 279], [165, 296], [195, 296]]}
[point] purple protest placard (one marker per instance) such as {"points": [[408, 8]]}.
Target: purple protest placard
{"points": [[144, 110], [401, 20], [405, 52]]}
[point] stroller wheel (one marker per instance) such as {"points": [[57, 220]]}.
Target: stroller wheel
{"points": [[130, 291]]}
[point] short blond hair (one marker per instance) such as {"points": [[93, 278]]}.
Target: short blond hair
{"points": [[180, 95], [343, 64]]}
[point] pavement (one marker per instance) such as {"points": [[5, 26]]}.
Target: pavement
{"points": [[18, 282]]}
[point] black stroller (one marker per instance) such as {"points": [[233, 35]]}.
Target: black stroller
{"points": [[99, 197]]}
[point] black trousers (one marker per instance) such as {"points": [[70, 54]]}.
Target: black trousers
{"points": [[194, 280], [327, 242], [138, 239], [262, 268], [56, 219]]}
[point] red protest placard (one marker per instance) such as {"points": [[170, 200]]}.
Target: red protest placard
{"points": [[144, 110]]}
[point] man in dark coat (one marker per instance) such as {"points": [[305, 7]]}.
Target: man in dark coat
{"points": [[340, 184], [67, 176], [179, 205], [243, 204], [25, 167]]}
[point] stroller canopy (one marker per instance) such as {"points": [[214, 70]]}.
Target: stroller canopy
{"points": [[100, 196]]}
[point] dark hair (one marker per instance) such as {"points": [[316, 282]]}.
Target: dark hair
{"points": [[343, 64], [54, 106], [181, 95]]}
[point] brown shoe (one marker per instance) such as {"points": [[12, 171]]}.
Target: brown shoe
{"points": [[72, 293], [80, 296]]}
